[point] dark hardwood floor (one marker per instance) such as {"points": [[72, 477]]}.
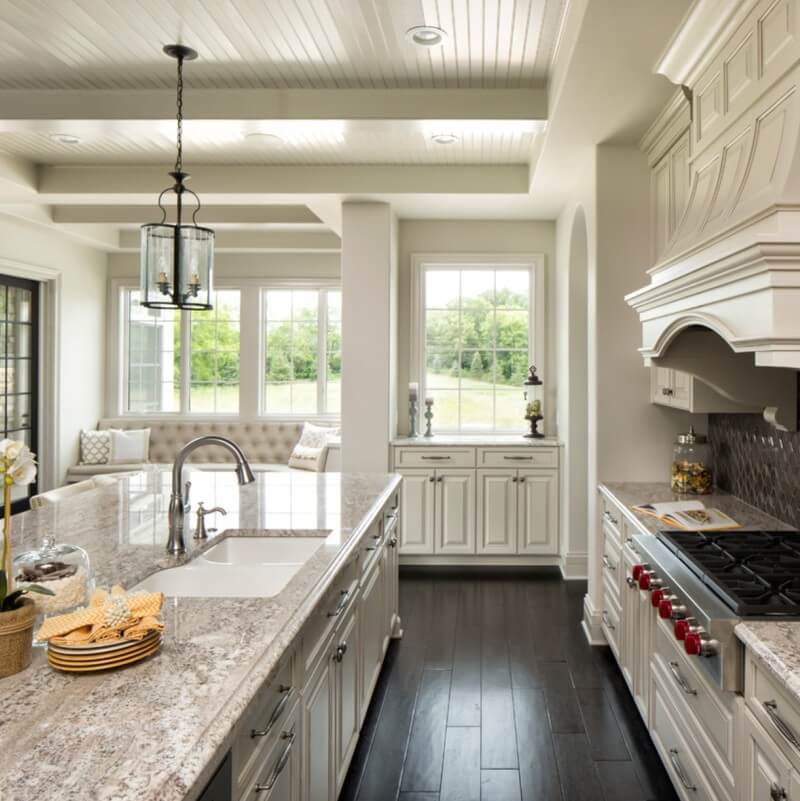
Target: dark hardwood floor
{"points": [[493, 694]]}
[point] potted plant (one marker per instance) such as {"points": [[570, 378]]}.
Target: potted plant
{"points": [[17, 613]]}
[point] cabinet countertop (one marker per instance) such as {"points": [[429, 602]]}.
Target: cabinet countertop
{"points": [[474, 440], [776, 643], [153, 732]]}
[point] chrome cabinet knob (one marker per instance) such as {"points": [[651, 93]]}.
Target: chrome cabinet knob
{"points": [[340, 651]]}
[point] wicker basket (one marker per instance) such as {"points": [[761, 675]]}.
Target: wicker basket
{"points": [[16, 638]]}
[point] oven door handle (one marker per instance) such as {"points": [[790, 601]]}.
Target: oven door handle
{"points": [[682, 683], [771, 708]]}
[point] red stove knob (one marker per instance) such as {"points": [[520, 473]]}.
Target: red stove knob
{"points": [[665, 609], [646, 578], [692, 644], [637, 571], [657, 596], [682, 628]]}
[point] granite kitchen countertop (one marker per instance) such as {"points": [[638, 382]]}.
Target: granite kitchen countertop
{"points": [[154, 731]]}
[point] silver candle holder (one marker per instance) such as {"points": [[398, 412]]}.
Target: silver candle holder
{"points": [[413, 409], [428, 416]]}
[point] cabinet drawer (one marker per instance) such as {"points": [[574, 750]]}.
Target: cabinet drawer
{"points": [[434, 457], [518, 457], [261, 723], [611, 622], [677, 755], [327, 614], [612, 518], [278, 774], [709, 714], [773, 707], [611, 566]]}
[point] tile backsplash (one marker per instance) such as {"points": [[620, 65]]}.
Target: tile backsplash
{"points": [[757, 463]]}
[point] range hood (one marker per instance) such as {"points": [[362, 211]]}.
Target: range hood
{"points": [[731, 266]]}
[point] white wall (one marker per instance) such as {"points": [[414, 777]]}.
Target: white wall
{"points": [[474, 236], [81, 332]]}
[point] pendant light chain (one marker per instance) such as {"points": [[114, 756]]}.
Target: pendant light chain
{"points": [[179, 159]]}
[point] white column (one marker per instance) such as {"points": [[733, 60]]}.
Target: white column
{"points": [[369, 335]]}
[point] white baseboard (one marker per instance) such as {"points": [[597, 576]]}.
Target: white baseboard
{"points": [[574, 566], [591, 623]]}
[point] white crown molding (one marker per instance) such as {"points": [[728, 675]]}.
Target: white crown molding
{"points": [[706, 26]]}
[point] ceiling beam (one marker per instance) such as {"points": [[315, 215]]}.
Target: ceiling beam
{"points": [[253, 241], [20, 106], [61, 184], [17, 179], [218, 215]]}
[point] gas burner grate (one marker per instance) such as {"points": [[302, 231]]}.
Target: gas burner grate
{"points": [[754, 572]]}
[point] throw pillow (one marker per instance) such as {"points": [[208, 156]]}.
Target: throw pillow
{"points": [[311, 450], [95, 447], [129, 447]]}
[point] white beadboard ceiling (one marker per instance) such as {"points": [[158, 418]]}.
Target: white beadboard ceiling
{"points": [[303, 143], [116, 44]]}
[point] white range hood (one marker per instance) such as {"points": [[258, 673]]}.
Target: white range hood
{"points": [[732, 262]]}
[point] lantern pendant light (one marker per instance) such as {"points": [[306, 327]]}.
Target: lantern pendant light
{"points": [[177, 261]]}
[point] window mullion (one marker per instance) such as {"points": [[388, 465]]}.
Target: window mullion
{"points": [[186, 360], [322, 352]]}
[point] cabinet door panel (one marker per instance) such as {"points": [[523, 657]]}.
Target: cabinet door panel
{"points": [[318, 742], [372, 624], [661, 194], [455, 511], [681, 390], [766, 770], [416, 512], [661, 385], [679, 180], [537, 525], [346, 669], [497, 511], [282, 766]]}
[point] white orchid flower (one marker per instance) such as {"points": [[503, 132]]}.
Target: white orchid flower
{"points": [[23, 469], [13, 449]]}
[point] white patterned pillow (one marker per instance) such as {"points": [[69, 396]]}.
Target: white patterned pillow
{"points": [[311, 451], [95, 447]]}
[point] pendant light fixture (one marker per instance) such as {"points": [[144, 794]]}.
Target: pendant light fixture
{"points": [[177, 261]]}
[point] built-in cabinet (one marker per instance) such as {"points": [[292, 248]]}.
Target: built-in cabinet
{"points": [[296, 739], [479, 501]]}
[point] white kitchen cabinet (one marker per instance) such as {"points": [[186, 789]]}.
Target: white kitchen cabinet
{"points": [[537, 512], [680, 390], [281, 776], [417, 511], [497, 511], [372, 628], [669, 181], [346, 658], [455, 511], [629, 603], [766, 771], [318, 735]]}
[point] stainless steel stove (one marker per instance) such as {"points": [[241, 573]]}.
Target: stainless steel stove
{"points": [[707, 583]]}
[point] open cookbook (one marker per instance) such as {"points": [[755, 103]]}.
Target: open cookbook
{"points": [[688, 515]]}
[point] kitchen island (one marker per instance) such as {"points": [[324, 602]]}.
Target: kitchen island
{"points": [[158, 730]]}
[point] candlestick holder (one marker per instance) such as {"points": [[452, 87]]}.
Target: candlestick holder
{"points": [[413, 409], [428, 417]]}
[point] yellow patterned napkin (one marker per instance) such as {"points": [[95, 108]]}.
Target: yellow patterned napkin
{"points": [[109, 616]]}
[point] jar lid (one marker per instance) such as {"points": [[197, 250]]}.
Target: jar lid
{"points": [[691, 437]]}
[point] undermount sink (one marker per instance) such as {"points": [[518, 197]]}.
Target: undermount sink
{"points": [[237, 567], [263, 550]]}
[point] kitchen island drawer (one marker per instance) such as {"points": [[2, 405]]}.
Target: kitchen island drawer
{"points": [[776, 710], [610, 622], [259, 727], [611, 516], [677, 754], [433, 457], [612, 567], [524, 457], [710, 713]]}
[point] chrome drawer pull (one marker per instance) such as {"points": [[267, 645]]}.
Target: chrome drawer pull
{"points": [[279, 765], [340, 651], [607, 620], [631, 583], [611, 519], [771, 708], [673, 758], [286, 693], [608, 564], [776, 792], [519, 458], [682, 683], [393, 542], [345, 597], [437, 458]]}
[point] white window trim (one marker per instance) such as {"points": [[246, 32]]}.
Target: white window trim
{"points": [[321, 285], [534, 262], [251, 388]]}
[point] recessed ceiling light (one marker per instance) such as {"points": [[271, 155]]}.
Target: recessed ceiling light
{"points": [[426, 35], [65, 139], [444, 138], [263, 138]]}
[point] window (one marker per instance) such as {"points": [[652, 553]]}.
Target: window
{"points": [[302, 351], [476, 344], [160, 375]]}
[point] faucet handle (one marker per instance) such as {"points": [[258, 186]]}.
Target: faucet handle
{"points": [[200, 532]]}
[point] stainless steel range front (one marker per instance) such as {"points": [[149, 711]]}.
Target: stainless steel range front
{"points": [[706, 583]]}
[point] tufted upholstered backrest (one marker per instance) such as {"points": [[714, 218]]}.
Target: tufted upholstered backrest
{"points": [[262, 443]]}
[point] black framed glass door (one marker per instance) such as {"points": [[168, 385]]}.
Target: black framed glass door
{"points": [[19, 370]]}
